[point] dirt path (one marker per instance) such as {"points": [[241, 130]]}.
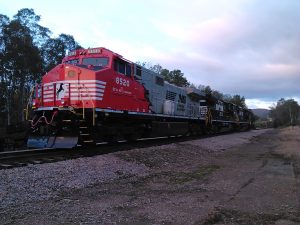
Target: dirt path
{"points": [[232, 179]]}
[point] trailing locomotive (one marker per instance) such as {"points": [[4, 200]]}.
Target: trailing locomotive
{"points": [[96, 95]]}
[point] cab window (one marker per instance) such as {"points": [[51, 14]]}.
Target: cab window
{"points": [[95, 61], [72, 61], [122, 67]]}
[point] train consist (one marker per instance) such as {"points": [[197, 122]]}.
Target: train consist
{"points": [[96, 95]]}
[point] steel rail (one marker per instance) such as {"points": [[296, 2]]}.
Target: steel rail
{"points": [[11, 159]]}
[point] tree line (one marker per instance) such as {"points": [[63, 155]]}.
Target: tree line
{"points": [[285, 113], [27, 51], [177, 77]]}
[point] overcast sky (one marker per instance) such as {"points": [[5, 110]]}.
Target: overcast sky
{"points": [[246, 47]]}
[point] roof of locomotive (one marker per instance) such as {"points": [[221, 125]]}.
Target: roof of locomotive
{"points": [[91, 52]]}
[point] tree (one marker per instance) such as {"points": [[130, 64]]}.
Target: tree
{"points": [[4, 20], [165, 73], [26, 53], [54, 49], [175, 77], [155, 68], [144, 64], [21, 64], [29, 19], [207, 90], [238, 100], [217, 94], [285, 113]]}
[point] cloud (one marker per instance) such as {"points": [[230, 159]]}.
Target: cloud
{"points": [[254, 50], [278, 71], [247, 47], [262, 104]]}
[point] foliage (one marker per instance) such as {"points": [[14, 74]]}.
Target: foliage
{"points": [[26, 52], [285, 113], [54, 49], [207, 90], [177, 77], [238, 100], [29, 19], [235, 99], [21, 64], [173, 77], [155, 68]]}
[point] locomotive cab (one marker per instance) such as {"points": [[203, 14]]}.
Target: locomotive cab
{"points": [[86, 83]]}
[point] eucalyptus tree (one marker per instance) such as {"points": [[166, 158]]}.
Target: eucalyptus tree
{"points": [[21, 64], [172, 76], [29, 19], [175, 77], [4, 20], [26, 52], [238, 100], [54, 49], [286, 112]]}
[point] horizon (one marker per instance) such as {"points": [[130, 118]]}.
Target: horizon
{"points": [[242, 47]]}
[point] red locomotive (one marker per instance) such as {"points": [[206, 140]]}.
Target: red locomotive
{"points": [[96, 95]]}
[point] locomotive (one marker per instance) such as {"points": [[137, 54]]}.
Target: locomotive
{"points": [[97, 95]]}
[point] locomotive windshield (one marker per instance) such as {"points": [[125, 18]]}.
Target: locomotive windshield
{"points": [[73, 61], [99, 61], [93, 63]]}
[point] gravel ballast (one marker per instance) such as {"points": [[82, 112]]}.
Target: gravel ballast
{"points": [[40, 182], [237, 178]]}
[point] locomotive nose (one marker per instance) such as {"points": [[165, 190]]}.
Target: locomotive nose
{"points": [[67, 72]]}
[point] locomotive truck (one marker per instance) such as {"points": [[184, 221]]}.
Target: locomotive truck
{"points": [[97, 95]]}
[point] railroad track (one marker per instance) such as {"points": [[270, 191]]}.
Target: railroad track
{"points": [[19, 158], [26, 157]]}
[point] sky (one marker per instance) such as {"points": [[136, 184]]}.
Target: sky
{"points": [[246, 47]]}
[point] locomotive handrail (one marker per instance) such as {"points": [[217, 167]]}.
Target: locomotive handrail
{"points": [[42, 94], [80, 95], [208, 119], [33, 124], [28, 102], [88, 92]]}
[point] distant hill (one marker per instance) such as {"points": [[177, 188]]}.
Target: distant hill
{"points": [[262, 113]]}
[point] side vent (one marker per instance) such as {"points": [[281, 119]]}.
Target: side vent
{"points": [[170, 95]]}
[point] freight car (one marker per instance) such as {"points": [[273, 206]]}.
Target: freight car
{"points": [[96, 95]]}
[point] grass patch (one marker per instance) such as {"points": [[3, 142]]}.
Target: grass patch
{"points": [[235, 217], [200, 173]]}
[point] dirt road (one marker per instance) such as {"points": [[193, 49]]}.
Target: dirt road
{"points": [[243, 179]]}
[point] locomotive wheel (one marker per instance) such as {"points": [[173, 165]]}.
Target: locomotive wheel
{"points": [[131, 137], [114, 138]]}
